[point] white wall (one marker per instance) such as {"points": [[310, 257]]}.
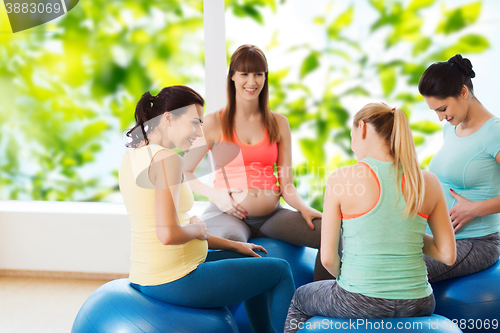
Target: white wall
{"points": [[215, 54], [66, 236]]}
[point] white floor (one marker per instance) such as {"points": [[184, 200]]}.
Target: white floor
{"points": [[42, 305]]}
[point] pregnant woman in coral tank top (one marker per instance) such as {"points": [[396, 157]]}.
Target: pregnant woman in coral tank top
{"points": [[247, 140]]}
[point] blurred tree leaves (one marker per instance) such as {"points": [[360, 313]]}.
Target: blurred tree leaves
{"points": [[244, 10], [310, 63], [458, 18], [250, 8], [341, 22], [471, 43], [356, 70], [388, 80], [68, 87], [76, 82], [425, 126]]}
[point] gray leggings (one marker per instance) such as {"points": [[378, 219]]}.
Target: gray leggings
{"points": [[282, 224], [473, 255], [327, 298]]}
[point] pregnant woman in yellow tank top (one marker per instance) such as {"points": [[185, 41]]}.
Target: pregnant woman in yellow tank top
{"points": [[169, 259]]}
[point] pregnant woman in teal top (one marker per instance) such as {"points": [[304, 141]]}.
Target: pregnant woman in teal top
{"points": [[467, 165]]}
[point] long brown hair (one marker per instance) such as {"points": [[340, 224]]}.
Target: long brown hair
{"points": [[150, 107], [249, 59], [391, 124]]}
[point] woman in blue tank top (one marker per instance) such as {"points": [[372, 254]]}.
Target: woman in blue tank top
{"points": [[467, 165], [382, 206]]}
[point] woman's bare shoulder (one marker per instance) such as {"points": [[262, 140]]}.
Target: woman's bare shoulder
{"points": [[280, 119], [212, 119], [212, 125], [347, 173], [431, 181], [169, 157], [432, 184]]}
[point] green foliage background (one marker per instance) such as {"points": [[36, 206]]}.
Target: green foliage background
{"points": [[66, 87]]}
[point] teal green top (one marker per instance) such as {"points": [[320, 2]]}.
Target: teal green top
{"points": [[382, 254], [467, 166]]}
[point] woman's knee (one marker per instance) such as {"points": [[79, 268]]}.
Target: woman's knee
{"points": [[282, 267], [301, 294], [234, 234], [228, 227], [317, 224], [283, 264]]}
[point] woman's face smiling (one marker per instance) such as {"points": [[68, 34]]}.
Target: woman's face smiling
{"points": [[452, 109], [248, 85], [187, 127]]}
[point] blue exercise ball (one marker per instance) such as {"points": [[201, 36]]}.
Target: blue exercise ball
{"points": [[301, 260], [472, 301], [434, 323], [117, 307]]}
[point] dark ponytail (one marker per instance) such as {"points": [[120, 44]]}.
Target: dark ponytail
{"points": [[142, 115], [446, 79], [150, 107]]}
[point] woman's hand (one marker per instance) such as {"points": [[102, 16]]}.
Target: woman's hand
{"points": [[203, 232], [223, 200], [463, 212], [248, 249], [309, 214]]}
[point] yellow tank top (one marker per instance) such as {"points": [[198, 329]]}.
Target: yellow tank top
{"points": [[151, 262]]}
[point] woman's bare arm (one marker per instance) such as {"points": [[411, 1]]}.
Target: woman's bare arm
{"points": [[166, 174], [440, 245], [192, 158], [285, 173], [330, 227]]}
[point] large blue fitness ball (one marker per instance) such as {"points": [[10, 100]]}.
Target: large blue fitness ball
{"points": [[434, 323], [301, 260], [117, 307], [472, 301]]}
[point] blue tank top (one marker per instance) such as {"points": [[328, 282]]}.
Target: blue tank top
{"points": [[467, 166], [382, 254]]}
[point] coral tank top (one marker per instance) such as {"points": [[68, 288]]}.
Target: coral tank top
{"points": [[243, 166]]}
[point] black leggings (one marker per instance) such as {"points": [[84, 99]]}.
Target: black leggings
{"points": [[473, 255]]}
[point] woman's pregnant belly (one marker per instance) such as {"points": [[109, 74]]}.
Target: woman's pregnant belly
{"points": [[472, 194], [257, 201]]}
